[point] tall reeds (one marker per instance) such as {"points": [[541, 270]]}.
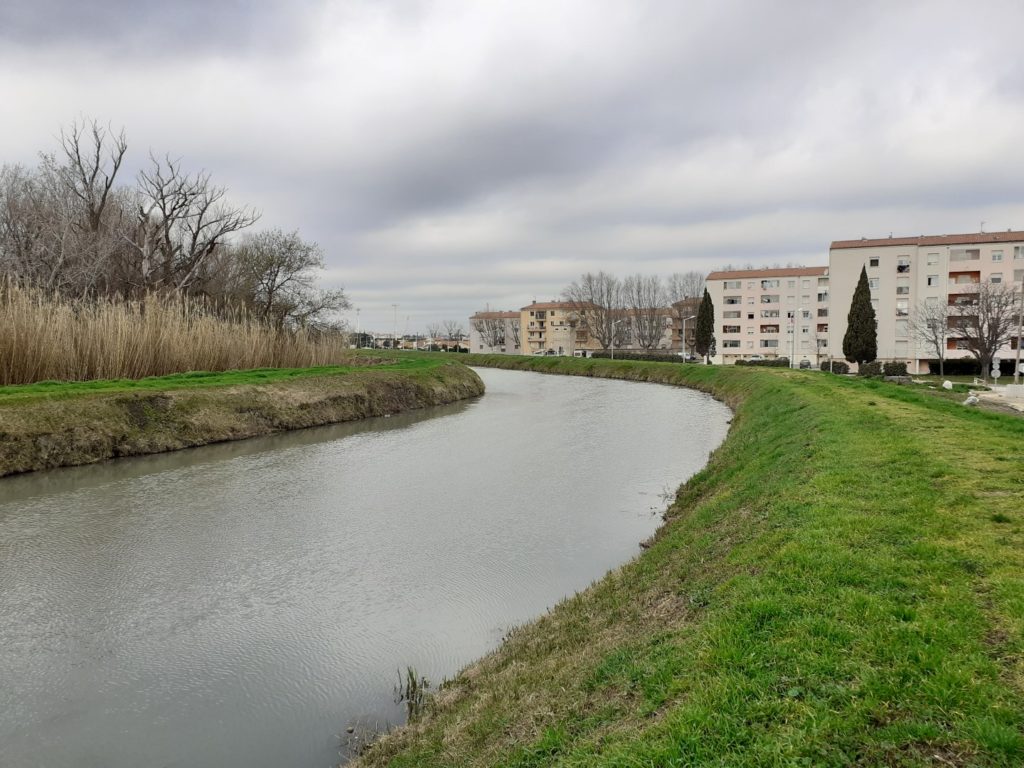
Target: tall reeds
{"points": [[48, 337]]}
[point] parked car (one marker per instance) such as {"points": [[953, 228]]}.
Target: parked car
{"points": [[805, 365], [756, 357]]}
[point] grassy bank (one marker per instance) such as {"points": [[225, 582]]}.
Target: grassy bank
{"points": [[52, 424], [842, 585]]}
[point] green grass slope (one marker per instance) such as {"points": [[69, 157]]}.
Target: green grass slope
{"points": [[843, 584]]}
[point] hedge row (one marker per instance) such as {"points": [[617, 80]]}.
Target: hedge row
{"points": [[656, 357], [968, 366], [837, 366], [777, 362]]}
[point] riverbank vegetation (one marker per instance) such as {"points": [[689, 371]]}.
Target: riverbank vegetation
{"points": [[102, 277], [843, 584], [47, 336], [54, 424]]}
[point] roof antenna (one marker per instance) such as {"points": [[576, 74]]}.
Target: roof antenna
{"points": [[981, 229]]}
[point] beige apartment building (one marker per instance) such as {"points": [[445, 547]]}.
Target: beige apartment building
{"points": [[906, 272], [770, 313], [554, 327]]}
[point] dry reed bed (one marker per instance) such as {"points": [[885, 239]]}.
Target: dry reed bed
{"points": [[46, 337]]}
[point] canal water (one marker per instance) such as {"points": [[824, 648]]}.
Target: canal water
{"points": [[243, 604]]}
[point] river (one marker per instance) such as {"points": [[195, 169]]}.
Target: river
{"points": [[243, 604]]}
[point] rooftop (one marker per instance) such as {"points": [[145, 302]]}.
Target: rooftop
{"points": [[967, 239], [494, 316], [739, 274]]}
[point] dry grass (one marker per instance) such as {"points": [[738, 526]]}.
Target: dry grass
{"points": [[44, 337]]}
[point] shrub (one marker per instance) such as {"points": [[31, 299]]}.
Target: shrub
{"points": [[838, 366], [778, 362], [968, 366], [894, 369], [870, 369]]}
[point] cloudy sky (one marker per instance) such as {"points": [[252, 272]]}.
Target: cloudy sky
{"points": [[452, 154]]}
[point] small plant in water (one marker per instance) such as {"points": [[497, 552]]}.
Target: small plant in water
{"points": [[412, 690]]}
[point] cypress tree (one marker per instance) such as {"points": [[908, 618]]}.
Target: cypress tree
{"points": [[860, 344], [704, 336]]}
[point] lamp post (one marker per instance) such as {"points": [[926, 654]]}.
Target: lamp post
{"points": [[615, 324], [691, 317], [792, 357], [573, 320], [1020, 334]]}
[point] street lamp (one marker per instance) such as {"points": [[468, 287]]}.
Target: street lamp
{"points": [[691, 317], [615, 324], [792, 357]]}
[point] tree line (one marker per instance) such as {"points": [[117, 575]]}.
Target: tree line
{"points": [[72, 226]]}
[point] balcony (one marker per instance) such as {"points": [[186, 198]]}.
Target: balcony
{"points": [[769, 329]]}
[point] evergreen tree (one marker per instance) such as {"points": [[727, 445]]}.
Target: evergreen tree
{"points": [[860, 344], [704, 336]]}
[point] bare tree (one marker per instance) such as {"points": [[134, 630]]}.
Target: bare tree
{"points": [[434, 331], [929, 325], [645, 299], [490, 328], [94, 155], [597, 299], [453, 330], [278, 271], [513, 332], [182, 219], [685, 285], [988, 324]]}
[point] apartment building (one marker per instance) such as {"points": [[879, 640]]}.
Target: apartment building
{"points": [[554, 327], [495, 333], [771, 313], [905, 272]]}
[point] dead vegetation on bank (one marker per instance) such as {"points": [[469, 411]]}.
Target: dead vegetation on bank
{"points": [[44, 336]]}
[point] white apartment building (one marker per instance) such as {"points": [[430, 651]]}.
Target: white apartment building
{"points": [[905, 272], [771, 313], [495, 333]]}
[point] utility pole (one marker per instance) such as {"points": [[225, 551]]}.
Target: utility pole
{"points": [[394, 337]]}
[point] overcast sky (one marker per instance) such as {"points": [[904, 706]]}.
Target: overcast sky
{"points": [[449, 155]]}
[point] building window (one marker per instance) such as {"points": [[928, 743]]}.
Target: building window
{"points": [[730, 344], [771, 299], [874, 304], [1018, 252], [902, 290], [769, 313], [902, 308], [769, 343], [996, 277], [733, 285], [750, 315], [730, 329], [766, 284], [726, 299], [823, 312], [873, 262], [791, 283], [805, 299], [822, 281], [997, 255], [1018, 275], [805, 283], [750, 345], [964, 254], [933, 258], [902, 328], [933, 280], [750, 285], [873, 283], [822, 297], [903, 264], [731, 315]]}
